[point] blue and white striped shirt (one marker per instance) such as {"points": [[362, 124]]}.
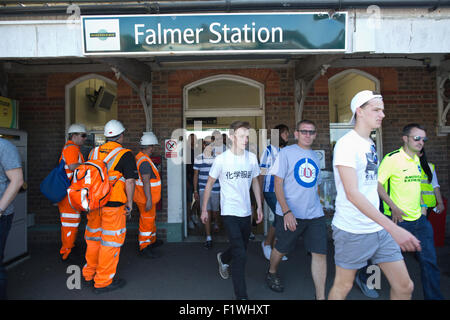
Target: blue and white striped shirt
{"points": [[203, 165], [267, 160]]}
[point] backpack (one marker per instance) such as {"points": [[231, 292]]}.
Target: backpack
{"points": [[91, 186], [54, 186]]}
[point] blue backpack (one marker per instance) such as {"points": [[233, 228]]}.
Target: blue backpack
{"points": [[54, 186]]}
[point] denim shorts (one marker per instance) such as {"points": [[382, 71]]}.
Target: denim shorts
{"points": [[271, 200], [314, 232], [351, 250], [213, 202]]}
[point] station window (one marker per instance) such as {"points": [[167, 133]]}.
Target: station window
{"points": [[341, 89], [92, 101], [224, 92]]}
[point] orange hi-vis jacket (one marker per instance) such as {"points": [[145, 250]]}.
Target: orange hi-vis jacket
{"points": [[118, 192], [155, 183], [70, 218], [71, 154]]}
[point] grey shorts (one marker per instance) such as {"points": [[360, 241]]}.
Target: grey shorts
{"points": [[351, 250], [213, 202], [314, 233]]}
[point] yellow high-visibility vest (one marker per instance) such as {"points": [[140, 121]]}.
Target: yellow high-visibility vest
{"points": [[428, 196]]}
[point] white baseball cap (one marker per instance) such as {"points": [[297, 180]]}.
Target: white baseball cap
{"points": [[360, 99]]}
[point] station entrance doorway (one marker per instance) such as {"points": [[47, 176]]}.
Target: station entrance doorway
{"points": [[210, 106]]}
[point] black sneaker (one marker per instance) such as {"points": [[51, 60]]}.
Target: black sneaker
{"points": [[89, 284], [149, 253], [208, 244], [156, 244], [116, 284], [274, 282]]}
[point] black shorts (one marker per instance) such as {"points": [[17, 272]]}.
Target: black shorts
{"points": [[314, 233]]}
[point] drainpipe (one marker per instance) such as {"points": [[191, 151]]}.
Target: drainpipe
{"points": [[157, 7]]}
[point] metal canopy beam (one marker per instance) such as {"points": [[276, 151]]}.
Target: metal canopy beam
{"points": [[138, 75], [307, 71], [132, 68], [442, 81]]}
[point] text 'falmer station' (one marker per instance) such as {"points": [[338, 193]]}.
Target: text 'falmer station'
{"points": [[216, 33]]}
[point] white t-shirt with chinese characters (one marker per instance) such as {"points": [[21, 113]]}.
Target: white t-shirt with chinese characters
{"points": [[354, 151], [235, 174]]}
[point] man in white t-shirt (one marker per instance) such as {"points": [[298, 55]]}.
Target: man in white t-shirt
{"points": [[237, 171], [360, 231]]}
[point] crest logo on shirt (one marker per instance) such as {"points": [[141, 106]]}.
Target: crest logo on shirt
{"points": [[306, 172]]}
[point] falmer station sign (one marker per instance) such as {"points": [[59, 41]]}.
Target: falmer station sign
{"points": [[214, 33]]}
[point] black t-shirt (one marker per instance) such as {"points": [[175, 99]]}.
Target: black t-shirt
{"points": [[127, 166]]}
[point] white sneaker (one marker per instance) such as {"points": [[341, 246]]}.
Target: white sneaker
{"points": [[267, 250], [284, 258], [223, 268]]}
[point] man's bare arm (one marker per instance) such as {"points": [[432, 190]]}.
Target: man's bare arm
{"points": [[15, 177], [405, 240]]}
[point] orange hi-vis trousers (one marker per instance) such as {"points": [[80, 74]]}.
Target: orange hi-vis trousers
{"points": [[70, 219], [147, 226], [105, 235]]}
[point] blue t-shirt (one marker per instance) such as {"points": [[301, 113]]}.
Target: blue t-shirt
{"points": [[301, 173], [9, 159]]}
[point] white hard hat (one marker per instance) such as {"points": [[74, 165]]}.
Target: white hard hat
{"points": [[113, 128], [148, 139], [76, 128]]}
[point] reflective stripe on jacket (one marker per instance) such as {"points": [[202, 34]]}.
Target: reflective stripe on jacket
{"points": [[155, 183]]}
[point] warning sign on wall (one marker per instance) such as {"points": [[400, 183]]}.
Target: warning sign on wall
{"points": [[171, 147], [8, 113]]}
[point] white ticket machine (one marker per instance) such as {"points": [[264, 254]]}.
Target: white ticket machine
{"points": [[16, 244]]}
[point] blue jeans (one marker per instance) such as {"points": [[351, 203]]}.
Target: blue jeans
{"points": [[238, 230], [430, 274], [5, 226]]}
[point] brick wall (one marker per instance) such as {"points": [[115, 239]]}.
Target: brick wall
{"points": [[409, 95]]}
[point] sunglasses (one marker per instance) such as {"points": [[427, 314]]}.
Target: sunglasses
{"points": [[305, 132], [418, 138], [83, 135]]}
